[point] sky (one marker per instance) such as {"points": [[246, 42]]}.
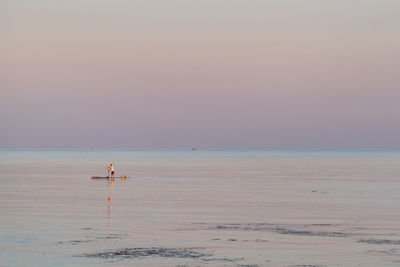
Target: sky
{"points": [[205, 74]]}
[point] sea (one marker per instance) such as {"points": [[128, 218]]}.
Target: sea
{"points": [[200, 207]]}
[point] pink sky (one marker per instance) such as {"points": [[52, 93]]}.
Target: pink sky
{"points": [[226, 74]]}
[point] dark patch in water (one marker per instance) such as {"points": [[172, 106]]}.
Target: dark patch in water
{"points": [[131, 253], [250, 227], [321, 224], [281, 230], [310, 233], [392, 252], [86, 228], [228, 227], [261, 224], [111, 236], [74, 242], [300, 229], [232, 239], [247, 265], [222, 259], [380, 241]]}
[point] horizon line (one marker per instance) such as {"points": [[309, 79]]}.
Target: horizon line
{"points": [[199, 148]]}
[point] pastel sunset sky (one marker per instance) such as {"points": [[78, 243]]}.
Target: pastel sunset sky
{"points": [[206, 74]]}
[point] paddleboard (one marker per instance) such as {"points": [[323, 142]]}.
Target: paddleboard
{"points": [[108, 177]]}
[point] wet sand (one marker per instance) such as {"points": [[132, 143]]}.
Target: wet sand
{"points": [[202, 212]]}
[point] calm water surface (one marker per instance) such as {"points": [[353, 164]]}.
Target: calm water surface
{"points": [[231, 207]]}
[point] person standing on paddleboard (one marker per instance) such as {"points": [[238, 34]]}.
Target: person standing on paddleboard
{"points": [[112, 171]]}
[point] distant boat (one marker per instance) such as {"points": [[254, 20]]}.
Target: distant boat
{"points": [[193, 148], [92, 148]]}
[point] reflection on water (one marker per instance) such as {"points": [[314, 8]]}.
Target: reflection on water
{"points": [[110, 196]]}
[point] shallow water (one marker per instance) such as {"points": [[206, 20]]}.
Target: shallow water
{"points": [[203, 207]]}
